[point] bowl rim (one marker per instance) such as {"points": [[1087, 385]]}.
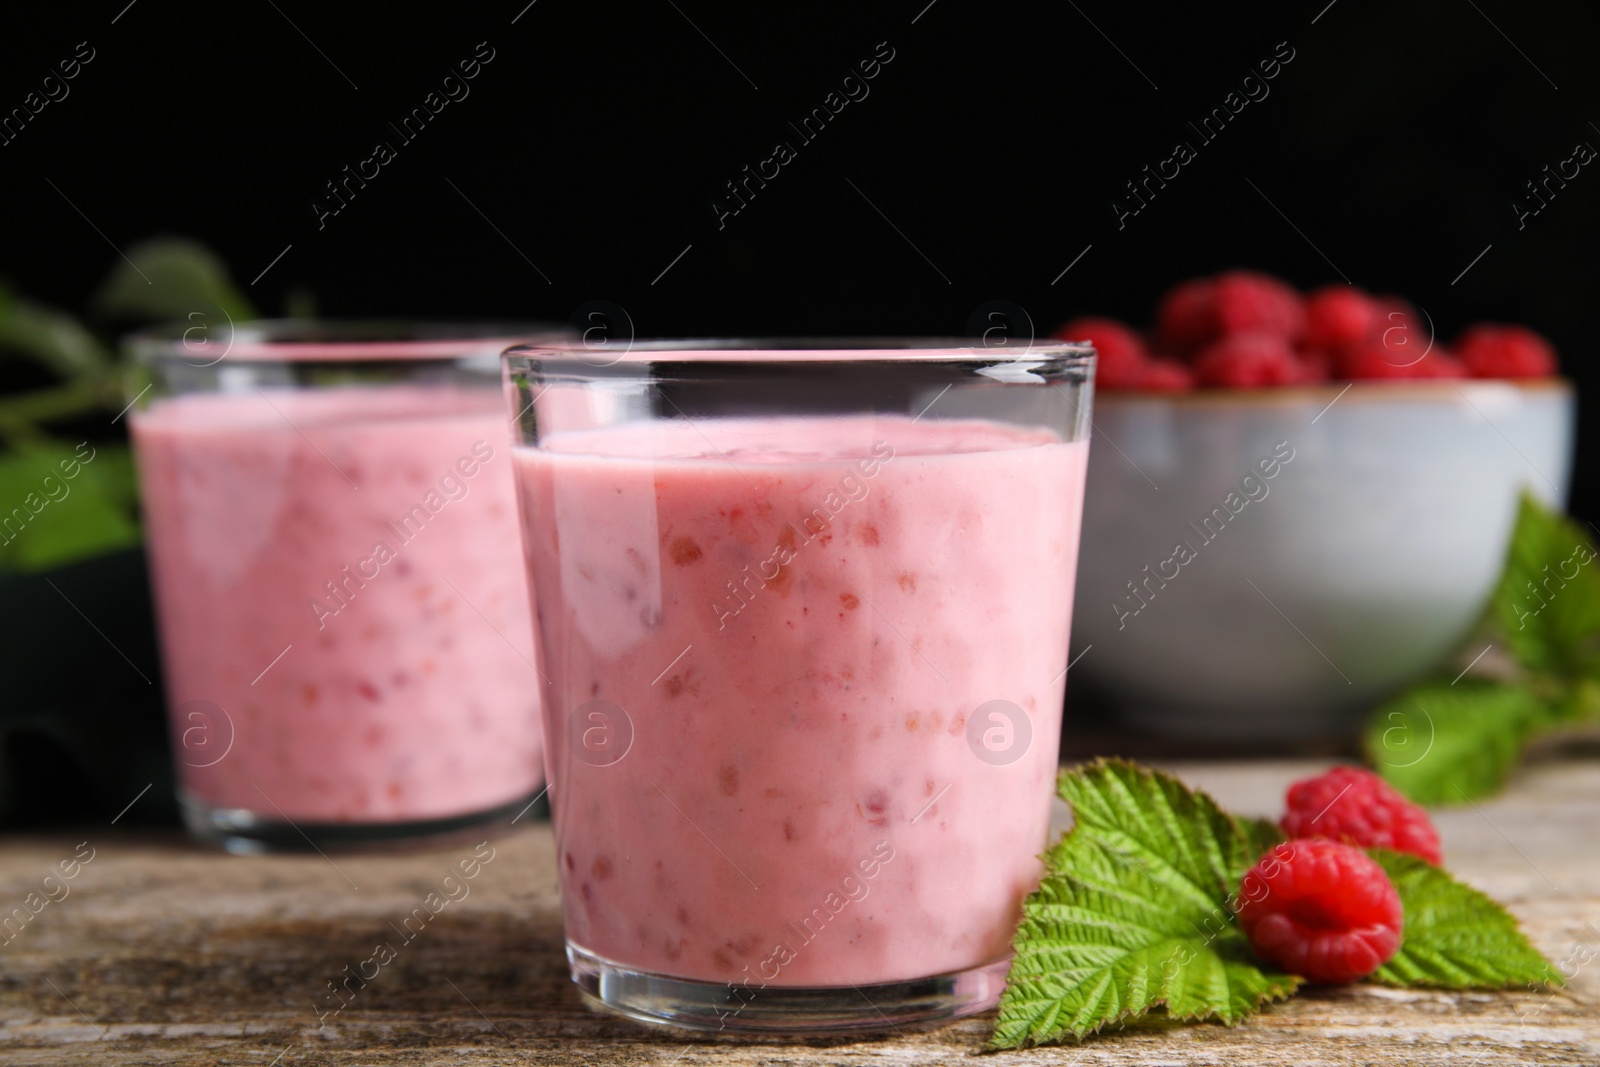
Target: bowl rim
{"points": [[1375, 391]]}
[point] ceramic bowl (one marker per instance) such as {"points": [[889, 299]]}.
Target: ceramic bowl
{"points": [[1268, 564]]}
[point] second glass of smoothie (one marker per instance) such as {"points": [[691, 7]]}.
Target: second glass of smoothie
{"points": [[804, 613], [333, 543]]}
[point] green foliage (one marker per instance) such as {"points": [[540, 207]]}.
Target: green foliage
{"points": [[1449, 742], [1260, 836], [1137, 913], [1445, 744], [170, 279], [52, 338], [1134, 914], [1455, 937], [55, 508], [47, 518]]}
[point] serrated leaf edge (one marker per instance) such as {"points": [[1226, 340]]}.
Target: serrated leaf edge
{"points": [[1285, 984], [1554, 980], [1289, 984]]}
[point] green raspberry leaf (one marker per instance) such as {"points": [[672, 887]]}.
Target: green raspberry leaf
{"points": [[50, 337], [1455, 937], [1260, 836], [59, 517], [1447, 744], [1547, 603], [1134, 913], [1141, 813], [174, 278]]}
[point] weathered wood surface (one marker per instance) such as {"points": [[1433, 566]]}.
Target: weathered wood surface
{"points": [[166, 953]]}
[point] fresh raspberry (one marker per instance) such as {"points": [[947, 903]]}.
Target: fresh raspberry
{"points": [[1246, 361], [1322, 910], [1354, 805], [1197, 312], [1493, 351], [1367, 360], [1122, 355], [1258, 303], [1440, 363], [1166, 376], [1338, 316], [1399, 332], [1315, 366], [1187, 317]]}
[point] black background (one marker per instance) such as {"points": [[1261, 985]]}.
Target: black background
{"points": [[994, 142]]}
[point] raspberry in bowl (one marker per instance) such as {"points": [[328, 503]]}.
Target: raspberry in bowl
{"points": [[1299, 503]]}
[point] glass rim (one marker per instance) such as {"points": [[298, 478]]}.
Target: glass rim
{"points": [[319, 340], [777, 350]]}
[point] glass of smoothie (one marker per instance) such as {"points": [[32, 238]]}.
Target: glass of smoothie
{"points": [[803, 608], [332, 534]]}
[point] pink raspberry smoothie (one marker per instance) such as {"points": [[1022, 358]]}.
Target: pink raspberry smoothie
{"points": [[370, 531], [797, 618]]}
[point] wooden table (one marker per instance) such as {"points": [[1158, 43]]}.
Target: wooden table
{"points": [[166, 953]]}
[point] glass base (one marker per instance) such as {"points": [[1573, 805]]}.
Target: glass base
{"points": [[798, 1011], [246, 832]]}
